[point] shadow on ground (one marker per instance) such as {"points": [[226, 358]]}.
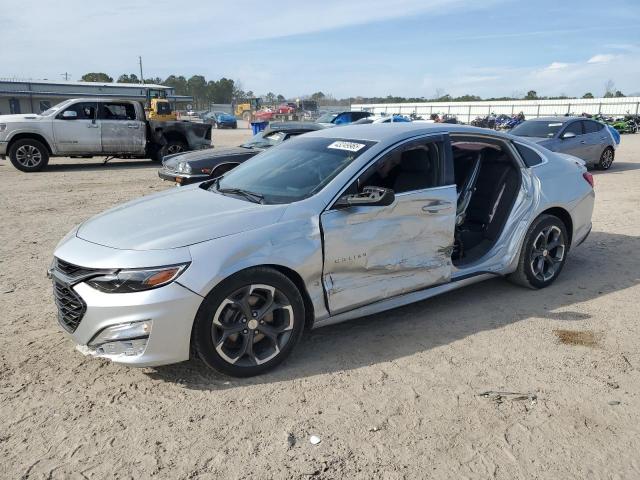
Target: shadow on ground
{"points": [[604, 264], [94, 164]]}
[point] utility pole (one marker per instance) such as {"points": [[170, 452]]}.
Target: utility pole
{"points": [[66, 76], [141, 76]]}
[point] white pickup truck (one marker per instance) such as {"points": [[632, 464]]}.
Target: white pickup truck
{"points": [[95, 126]]}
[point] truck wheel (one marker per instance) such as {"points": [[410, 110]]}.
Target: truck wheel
{"points": [[29, 155], [172, 146]]}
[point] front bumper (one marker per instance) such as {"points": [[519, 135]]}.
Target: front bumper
{"points": [[171, 309], [181, 178]]}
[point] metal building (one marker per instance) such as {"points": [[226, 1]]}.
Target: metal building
{"points": [[35, 96]]}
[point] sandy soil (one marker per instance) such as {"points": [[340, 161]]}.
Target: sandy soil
{"points": [[391, 396]]}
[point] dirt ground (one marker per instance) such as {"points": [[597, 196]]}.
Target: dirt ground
{"points": [[393, 396]]}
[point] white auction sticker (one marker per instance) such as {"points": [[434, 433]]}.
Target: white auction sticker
{"points": [[349, 146]]}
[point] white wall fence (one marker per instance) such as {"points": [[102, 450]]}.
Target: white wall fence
{"points": [[467, 111]]}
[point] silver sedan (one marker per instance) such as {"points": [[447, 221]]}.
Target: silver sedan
{"points": [[333, 225]]}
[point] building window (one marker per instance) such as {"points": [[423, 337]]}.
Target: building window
{"points": [[14, 106], [44, 105]]}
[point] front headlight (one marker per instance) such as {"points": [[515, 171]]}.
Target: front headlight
{"points": [[183, 167], [3, 127], [127, 281]]}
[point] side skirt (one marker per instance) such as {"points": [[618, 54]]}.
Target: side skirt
{"points": [[403, 300]]}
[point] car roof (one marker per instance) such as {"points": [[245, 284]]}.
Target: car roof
{"points": [[286, 126], [397, 131], [562, 119]]}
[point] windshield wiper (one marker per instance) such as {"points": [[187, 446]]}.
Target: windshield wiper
{"points": [[251, 196]]}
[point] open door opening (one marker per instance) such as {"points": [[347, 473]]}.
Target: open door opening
{"points": [[488, 180]]}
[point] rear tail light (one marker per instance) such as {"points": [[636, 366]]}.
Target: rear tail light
{"points": [[589, 178]]}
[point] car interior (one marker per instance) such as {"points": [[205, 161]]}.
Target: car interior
{"points": [[487, 182]]}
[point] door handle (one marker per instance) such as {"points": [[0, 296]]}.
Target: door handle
{"points": [[436, 206], [583, 142], [92, 125], [132, 125]]}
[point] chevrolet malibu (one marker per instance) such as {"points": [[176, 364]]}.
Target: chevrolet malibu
{"points": [[329, 226]]}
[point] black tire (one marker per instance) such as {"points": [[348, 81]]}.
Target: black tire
{"points": [[235, 125], [535, 250], [220, 322], [606, 159], [28, 155], [171, 147]]}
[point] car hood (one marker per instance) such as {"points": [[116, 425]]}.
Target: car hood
{"points": [[172, 161], [18, 118], [176, 218], [539, 140]]}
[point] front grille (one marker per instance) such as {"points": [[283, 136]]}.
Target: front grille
{"points": [[72, 270], [71, 307]]}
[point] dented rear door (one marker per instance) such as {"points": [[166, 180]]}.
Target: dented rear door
{"points": [[374, 253]]}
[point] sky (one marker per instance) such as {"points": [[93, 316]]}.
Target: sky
{"points": [[340, 47]]}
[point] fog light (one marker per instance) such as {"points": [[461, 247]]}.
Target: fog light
{"points": [[123, 331], [124, 347]]}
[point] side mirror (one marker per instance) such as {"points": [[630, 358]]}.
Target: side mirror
{"points": [[69, 114], [370, 197], [566, 135]]}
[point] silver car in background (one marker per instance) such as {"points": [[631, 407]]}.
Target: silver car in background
{"points": [[578, 136], [332, 225]]}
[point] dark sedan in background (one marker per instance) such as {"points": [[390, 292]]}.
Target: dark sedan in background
{"points": [[583, 138], [192, 167]]}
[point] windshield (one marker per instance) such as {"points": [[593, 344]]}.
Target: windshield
{"points": [[294, 170], [55, 108], [265, 140], [327, 118], [537, 128]]}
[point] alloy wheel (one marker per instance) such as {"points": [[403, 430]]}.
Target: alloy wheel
{"points": [[28, 156], [547, 253], [607, 159], [174, 148], [252, 325]]}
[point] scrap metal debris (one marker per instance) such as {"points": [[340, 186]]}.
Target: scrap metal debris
{"points": [[500, 397]]}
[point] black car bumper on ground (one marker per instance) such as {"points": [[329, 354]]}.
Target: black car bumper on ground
{"points": [[181, 178]]}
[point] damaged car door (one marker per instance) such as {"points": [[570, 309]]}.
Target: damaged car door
{"points": [[373, 252], [121, 130]]}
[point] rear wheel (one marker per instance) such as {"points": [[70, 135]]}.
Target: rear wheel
{"points": [[543, 253], [249, 323], [606, 159], [29, 155]]}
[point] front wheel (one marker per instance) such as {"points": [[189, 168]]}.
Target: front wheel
{"points": [[249, 323], [606, 159], [543, 253], [29, 155]]}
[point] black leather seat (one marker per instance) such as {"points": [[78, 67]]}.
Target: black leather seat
{"points": [[415, 171], [495, 190]]}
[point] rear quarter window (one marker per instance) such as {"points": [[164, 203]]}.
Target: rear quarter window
{"points": [[530, 156]]}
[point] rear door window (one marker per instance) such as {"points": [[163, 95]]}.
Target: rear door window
{"points": [[575, 127], [529, 155], [117, 111], [592, 127]]}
